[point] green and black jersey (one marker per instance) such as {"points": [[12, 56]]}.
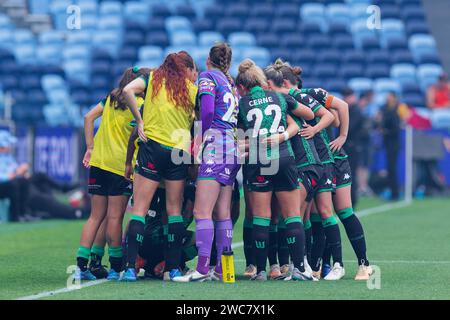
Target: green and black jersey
{"points": [[304, 149], [325, 99], [321, 140], [264, 113]]}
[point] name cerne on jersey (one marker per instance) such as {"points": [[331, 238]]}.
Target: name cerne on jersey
{"points": [[259, 101]]}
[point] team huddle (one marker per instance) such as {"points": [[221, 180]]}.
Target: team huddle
{"points": [[176, 143]]}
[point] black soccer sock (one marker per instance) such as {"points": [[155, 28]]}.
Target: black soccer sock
{"points": [[174, 242], [308, 239], [333, 236], [135, 237], [83, 254], [283, 250], [326, 257], [116, 258], [318, 242], [260, 241], [295, 239], [355, 234], [273, 244], [97, 253], [248, 242]]}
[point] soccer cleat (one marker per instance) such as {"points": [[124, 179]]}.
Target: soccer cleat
{"points": [[175, 274], [83, 275], [316, 275], [158, 270], [297, 275], [250, 271], [195, 277], [215, 276], [113, 275], [285, 268], [129, 275], [140, 263], [336, 273], [260, 276], [326, 268], [307, 266], [166, 276], [99, 271], [363, 273], [275, 272]]}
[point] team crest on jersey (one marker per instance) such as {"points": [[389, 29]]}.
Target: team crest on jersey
{"points": [[227, 171], [209, 170], [151, 166], [346, 176], [92, 181], [260, 179]]}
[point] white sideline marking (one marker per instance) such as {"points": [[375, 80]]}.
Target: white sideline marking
{"points": [[62, 290], [362, 213]]}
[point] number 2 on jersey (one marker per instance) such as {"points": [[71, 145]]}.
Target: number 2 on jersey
{"points": [[257, 115], [231, 114]]}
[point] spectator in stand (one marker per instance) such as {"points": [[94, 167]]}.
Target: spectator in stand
{"points": [[438, 95], [362, 173], [389, 124], [30, 195], [353, 145]]}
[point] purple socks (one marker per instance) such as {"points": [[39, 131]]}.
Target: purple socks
{"points": [[204, 234], [224, 237]]}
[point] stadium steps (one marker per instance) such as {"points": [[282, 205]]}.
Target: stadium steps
{"points": [[436, 12]]}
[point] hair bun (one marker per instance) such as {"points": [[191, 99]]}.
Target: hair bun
{"points": [[278, 64], [246, 65], [297, 71]]}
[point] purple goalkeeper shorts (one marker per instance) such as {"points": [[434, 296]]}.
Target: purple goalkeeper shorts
{"points": [[221, 167]]}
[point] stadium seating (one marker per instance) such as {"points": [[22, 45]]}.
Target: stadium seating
{"points": [[328, 38]]}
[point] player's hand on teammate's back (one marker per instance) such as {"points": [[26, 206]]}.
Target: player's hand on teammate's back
{"points": [[308, 132], [87, 158]]}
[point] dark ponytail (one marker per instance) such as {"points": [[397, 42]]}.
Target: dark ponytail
{"points": [[220, 57], [116, 97]]}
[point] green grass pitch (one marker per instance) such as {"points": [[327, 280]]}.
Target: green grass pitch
{"points": [[410, 245]]}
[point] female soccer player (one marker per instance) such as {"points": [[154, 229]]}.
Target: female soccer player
{"points": [[105, 156], [218, 101], [164, 131], [272, 169], [306, 155], [342, 199], [323, 199]]}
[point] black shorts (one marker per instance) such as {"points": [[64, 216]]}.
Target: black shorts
{"points": [[327, 182], [285, 179], [342, 172], [310, 180], [105, 183], [154, 162]]}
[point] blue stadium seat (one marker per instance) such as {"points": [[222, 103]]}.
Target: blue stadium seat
{"points": [[329, 56], [384, 85], [137, 11], [268, 40], [10, 82], [89, 22], [214, 12], [241, 40], [292, 40], [343, 42], [24, 36], [432, 58], [360, 85], [161, 10], [420, 44], [351, 70], [183, 38], [229, 25], [79, 37], [157, 38], [395, 43], [50, 82], [404, 73], [354, 56], [376, 71], [335, 85], [338, 12], [110, 8], [76, 52], [402, 56], [48, 54], [287, 10], [156, 24], [154, 63], [378, 56], [390, 11], [338, 28], [110, 23], [410, 88], [302, 56], [428, 74], [319, 42], [39, 6], [150, 53], [101, 67], [414, 100], [178, 24], [25, 53], [204, 24], [109, 41], [312, 11], [88, 7], [209, 38], [391, 28], [260, 55], [262, 10], [51, 37], [324, 70], [77, 70], [358, 10], [412, 13], [280, 25], [310, 28], [134, 38], [186, 10], [256, 25], [416, 27], [237, 10], [200, 55], [6, 39], [128, 53]]}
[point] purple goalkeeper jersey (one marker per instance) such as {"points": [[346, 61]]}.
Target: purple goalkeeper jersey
{"points": [[226, 107]]}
